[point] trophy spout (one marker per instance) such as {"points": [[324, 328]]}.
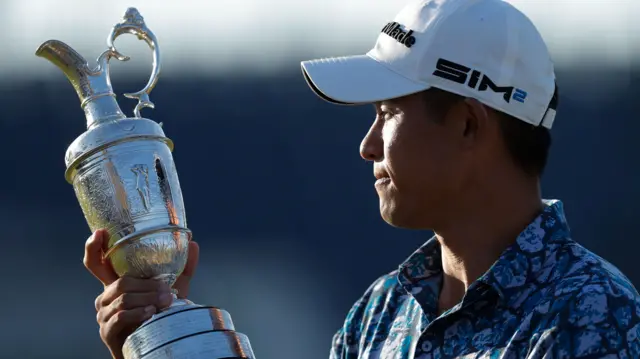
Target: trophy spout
{"points": [[72, 64], [93, 86]]}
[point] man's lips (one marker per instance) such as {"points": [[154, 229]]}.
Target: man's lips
{"points": [[383, 181], [380, 173], [382, 177]]}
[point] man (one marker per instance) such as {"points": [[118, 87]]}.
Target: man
{"points": [[465, 95]]}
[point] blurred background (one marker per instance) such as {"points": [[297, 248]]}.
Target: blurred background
{"points": [[276, 194]]}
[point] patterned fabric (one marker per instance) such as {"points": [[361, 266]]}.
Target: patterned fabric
{"points": [[545, 297]]}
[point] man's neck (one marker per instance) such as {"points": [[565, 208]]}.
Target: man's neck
{"points": [[480, 233]]}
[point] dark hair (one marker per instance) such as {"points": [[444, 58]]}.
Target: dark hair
{"points": [[528, 145]]}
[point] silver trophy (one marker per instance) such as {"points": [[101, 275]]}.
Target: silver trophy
{"points": [[125, 179]]}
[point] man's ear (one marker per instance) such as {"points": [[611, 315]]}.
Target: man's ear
{"points": [[476, 117]]}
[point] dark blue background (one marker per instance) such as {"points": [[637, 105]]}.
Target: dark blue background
{"points": [[277, 196]]}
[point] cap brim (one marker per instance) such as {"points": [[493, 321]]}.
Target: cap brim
{"points": [[356, 80]]}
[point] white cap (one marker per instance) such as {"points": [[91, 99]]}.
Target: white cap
{"points": [[483, 49]]}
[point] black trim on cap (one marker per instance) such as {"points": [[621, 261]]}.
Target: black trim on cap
{"points": [[320, 93], [553, 104]]}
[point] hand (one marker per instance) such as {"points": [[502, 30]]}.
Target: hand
{"points": [[127, 302]]}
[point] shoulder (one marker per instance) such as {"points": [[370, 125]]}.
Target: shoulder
{"points": [[595, 309], [586, 275], [370, 305], [381, 291]]}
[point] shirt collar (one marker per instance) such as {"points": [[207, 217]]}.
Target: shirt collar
{"points": [[521, 263]]}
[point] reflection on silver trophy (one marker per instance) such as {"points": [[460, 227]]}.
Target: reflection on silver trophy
{"points": [[125, 179]]}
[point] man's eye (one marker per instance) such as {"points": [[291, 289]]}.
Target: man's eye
{"points": [[387, 115]]}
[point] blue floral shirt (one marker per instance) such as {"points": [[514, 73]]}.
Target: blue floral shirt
{"points": [[545, 297]]}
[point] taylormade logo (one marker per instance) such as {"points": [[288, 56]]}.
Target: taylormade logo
{"points": [[404, 37]]}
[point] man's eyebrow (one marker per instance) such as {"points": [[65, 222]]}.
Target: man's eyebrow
{"points": [[393, 103]]}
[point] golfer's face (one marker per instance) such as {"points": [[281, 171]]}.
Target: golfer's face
{"points": [[412, 158]]}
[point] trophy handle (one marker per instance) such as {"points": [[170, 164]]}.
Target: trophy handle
{"points": [[133, 23]]}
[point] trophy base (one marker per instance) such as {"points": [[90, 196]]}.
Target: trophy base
{"points": [[187, 330]]}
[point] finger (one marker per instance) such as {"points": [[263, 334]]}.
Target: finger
{"points": [[192, 260], [130, 285], [93, 251], [124, 323], [182, 283], [128, 301]]}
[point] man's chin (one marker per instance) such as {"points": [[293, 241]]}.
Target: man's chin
{"points": [[398, 218], [392, 216]]}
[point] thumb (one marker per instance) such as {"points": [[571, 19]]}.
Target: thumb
{"points": [[182, 284], [93, 252]]}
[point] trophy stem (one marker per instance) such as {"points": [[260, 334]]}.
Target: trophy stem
{"points": [[170, 279], [179, 302]]}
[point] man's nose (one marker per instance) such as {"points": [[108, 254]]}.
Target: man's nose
{"points": [[372, 146]]}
